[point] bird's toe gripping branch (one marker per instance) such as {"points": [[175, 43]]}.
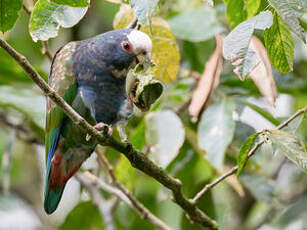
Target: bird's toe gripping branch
{"points": [[101, 127]]}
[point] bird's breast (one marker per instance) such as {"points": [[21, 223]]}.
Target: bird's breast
{"points": [[106, 100]]}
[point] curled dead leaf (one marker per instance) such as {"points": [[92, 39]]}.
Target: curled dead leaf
{"points": [[262, 74], [208, 81]]}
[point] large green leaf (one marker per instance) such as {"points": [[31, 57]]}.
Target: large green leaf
{"points": [[9, 12], [165, 134], [143, 9], [252, 7], [235, 12], [26, 101], [280, 46], [216, 130], [10, 71], [236, 44], [244, 150], [73, 3], [165, 51], [47, 17], [84, 216], [291, 146], [184, 24], [290, 11]]}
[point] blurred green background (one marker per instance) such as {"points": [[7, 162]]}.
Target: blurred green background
{"points": [[270, 194]]}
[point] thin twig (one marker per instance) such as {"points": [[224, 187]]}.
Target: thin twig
{"points": [[87, 178], [46, 50], [105, 207], [22, 132], [133, 23], [143, 211], [250, 154], [137, 159], [25, 8]]}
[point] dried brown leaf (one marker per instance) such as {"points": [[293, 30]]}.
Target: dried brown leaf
{"points": [[262, 74], [208, 81]]}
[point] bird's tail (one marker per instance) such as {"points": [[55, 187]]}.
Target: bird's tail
{"points": [[54, 184], [52, 198]]}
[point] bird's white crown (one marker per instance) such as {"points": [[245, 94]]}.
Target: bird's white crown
{"points": [[140, 41]]}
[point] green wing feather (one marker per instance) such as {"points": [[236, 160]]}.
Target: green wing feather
{"points": [[63, 81]]}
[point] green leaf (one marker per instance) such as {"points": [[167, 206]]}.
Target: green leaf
{"points": [[236, 44], [243, 154], [147, 92], [165, 52], [26, 101], [84, 216], [125, 173], [280, 46], [143, 9], [137, 136], [72, 3], [9, 13], [267, 115], [235, 12], [216, 130], [183, 24], [252, 7], [165, 134], [47, 17], [294, 124], [290, 11], [291, 146]]}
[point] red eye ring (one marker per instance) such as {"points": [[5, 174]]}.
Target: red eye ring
{"points": [[127, 47]]}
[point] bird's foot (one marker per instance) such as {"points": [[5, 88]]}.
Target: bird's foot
{"points": [[100, 127]]}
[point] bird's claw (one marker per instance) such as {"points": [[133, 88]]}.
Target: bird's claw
{"points": [[101, 127]]}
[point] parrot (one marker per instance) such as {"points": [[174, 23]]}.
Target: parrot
{"points": [[90, 75]]}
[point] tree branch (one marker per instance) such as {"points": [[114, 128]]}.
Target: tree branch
{"points": [[138, 206], [90, 179], [22, 132], [138, 159], [233, 170], [105, 207]]}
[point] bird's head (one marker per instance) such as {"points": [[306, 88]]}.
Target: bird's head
{"points": [[138, 44], [124, 49]]}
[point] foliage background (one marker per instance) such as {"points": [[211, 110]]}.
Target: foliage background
{"points": [[269, 194]]}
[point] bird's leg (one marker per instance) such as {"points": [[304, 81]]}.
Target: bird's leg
{"points": [[121, 128], [100, 127]]}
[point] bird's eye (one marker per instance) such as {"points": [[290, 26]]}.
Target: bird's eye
{"points": [[144, 52], [127, 47]]}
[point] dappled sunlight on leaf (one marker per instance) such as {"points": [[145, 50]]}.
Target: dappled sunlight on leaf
{"points": [[216, 130], [291, 146], [183, 24], [47, 17], [165, 134]]}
